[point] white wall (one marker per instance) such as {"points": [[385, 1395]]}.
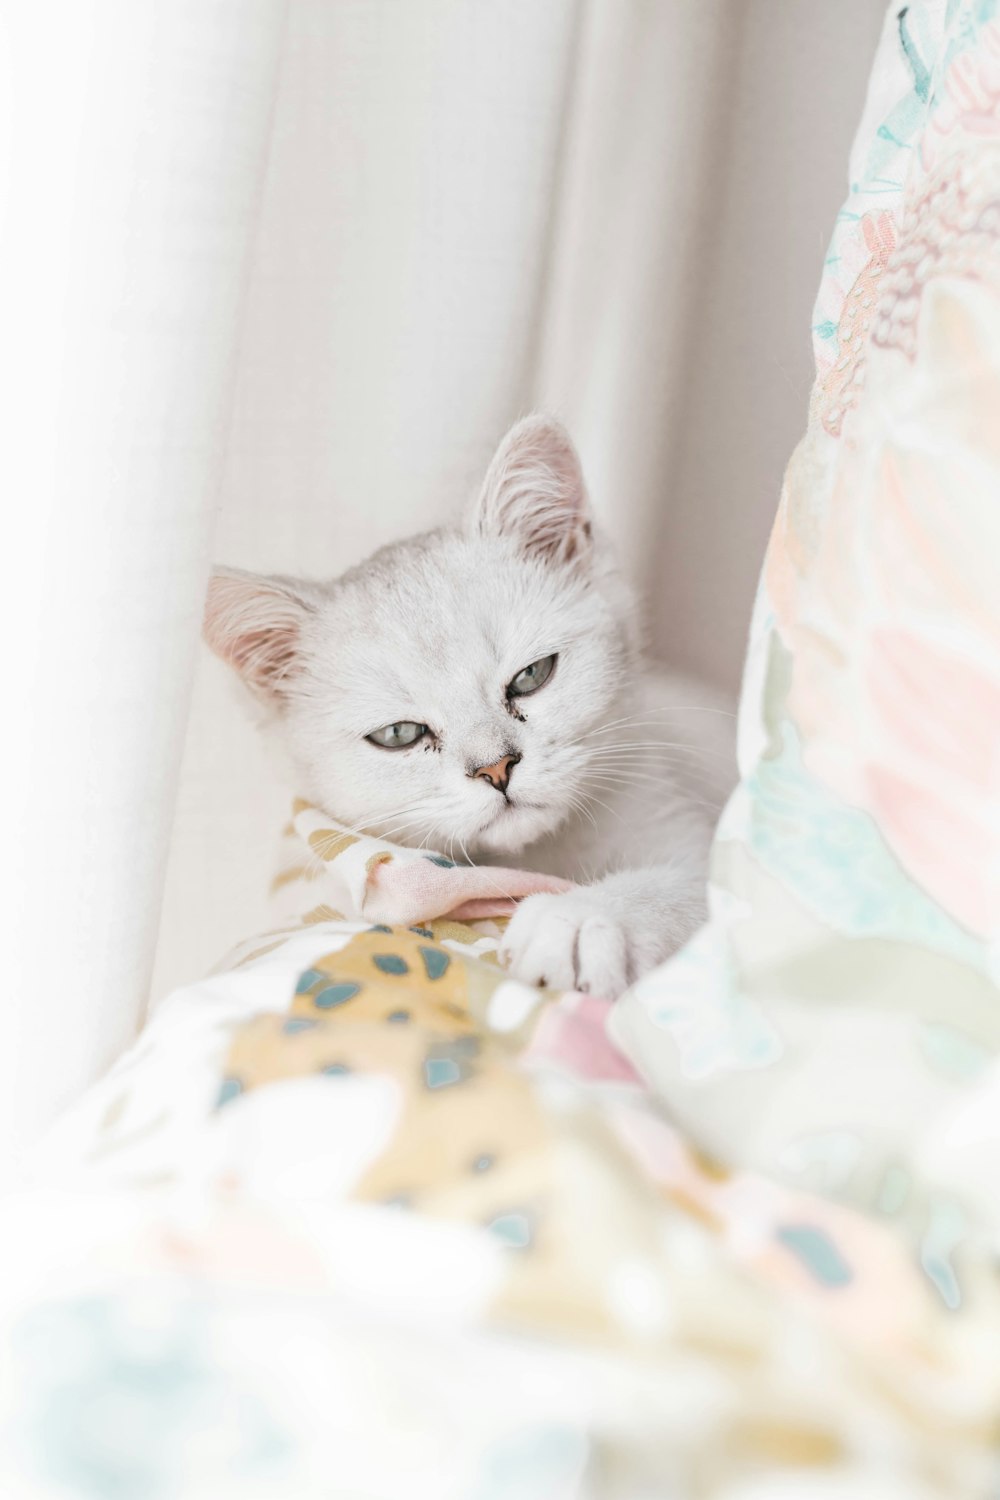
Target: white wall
{"points": [[617, 206], [795, 97]]}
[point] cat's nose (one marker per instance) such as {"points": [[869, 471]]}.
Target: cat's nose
{"points": [[497, 774]]}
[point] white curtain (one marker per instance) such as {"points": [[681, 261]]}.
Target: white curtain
{"points": [[615, 208], [133, 136]]}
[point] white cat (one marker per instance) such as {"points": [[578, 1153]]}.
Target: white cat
{"points": [[480, 691]]}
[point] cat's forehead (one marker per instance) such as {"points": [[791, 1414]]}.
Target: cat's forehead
{"points": [[449, 599]]}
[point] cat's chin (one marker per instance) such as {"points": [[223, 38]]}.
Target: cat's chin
{"points": [[515, 828]]}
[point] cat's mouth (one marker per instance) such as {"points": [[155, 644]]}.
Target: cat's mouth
{"points": [[515, 824], [510, 805], [512, 824]]}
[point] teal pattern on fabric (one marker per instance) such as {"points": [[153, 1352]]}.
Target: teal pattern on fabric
{"points": [[436, 963], [534, 1463], [390, 963], [440, 1072], [921, 73], [229, 1089], [838, 863], [944, 1233], [817, 1252], [336, 994], [165, 1376], [308, 980], [514, 1229]]}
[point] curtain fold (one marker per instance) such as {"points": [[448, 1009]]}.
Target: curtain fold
{"points": [[390, 337], [609, 207], [133, 138], [466, 210]]}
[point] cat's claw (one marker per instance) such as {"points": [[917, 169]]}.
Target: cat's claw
{"points": [[568, 942]]}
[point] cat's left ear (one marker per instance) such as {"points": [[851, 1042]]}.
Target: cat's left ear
{"points": [[534, 494]]}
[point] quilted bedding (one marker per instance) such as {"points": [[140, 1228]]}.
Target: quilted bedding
{"points": [[361, 1218]]}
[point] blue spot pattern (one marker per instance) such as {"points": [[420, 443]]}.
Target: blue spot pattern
{"points": [[435, 962], [307, 981], [515, 1229], [440, 1072], [336, 994], [229, 1089], [391, 963]]}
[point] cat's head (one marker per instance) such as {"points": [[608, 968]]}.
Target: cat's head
{"points": [[444, 690]]}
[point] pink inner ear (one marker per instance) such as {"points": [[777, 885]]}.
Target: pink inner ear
{"points": [[265, 658], [534, 492], [254, 626]]}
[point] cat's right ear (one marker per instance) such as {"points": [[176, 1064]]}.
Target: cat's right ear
{"points": [[534, 496], [255, 625]]}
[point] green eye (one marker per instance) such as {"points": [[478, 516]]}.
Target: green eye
{"points": [[530, 679], [397, 736]]}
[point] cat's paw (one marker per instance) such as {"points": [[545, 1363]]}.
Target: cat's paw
{"points": [[570, 942]]}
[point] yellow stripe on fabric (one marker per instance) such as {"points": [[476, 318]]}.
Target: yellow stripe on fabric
{"points": [[327, 843], [322, 914]]}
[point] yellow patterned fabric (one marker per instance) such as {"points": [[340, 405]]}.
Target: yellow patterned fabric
{"points": [[422, 1232]]}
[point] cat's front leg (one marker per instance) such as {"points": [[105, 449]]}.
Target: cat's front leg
{"points": [[602, 937]]}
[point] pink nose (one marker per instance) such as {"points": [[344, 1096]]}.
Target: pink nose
{"points": [[497, 774]]}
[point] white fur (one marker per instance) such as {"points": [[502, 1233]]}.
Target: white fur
{"points": [[621, 772]]}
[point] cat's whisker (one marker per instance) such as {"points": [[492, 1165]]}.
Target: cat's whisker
{"points": [[578, 804], [590, 743], [633, 772], [367, 833], [663, 771], [399, 819], [497, 888], [675, 708], [675, 745], [642, 784], [678, 745], [414, 818], [615, 813], [659, 763]]}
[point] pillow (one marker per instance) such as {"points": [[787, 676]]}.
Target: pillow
{"points": [[837, 1022]]}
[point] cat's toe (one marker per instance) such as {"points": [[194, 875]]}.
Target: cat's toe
{"points": [[602, 958], [539, 944], [567, 943]]}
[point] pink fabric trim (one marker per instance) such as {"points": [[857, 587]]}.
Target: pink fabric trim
{"points": [[418, 890]]}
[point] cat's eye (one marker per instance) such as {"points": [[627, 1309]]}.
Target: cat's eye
{"points": [[397, 736], [530, 679]]}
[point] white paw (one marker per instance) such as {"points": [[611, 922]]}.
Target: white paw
{"points": [[569, 942]]}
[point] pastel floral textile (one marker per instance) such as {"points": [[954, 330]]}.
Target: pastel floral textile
{"points": [[854, 941], [368, 878], [361, 1215]]}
